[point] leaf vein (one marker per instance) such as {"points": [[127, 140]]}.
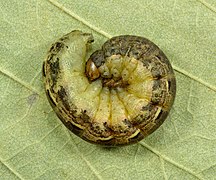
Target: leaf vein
{"points": [[19, 81], [209, 6], [11, 169], [200, 81], [34, 143], [80, 19], [170, 160], [88, 163]]}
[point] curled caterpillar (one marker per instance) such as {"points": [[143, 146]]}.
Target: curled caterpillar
{"points": [[119, 95]]}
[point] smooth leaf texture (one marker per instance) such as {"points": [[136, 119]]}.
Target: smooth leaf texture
{"points": [[33, 142]]}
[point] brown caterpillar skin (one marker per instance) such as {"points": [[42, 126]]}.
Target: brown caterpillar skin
{"points": [[118, 96]]}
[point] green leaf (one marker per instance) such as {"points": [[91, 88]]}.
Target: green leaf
{"points": [[33, 142]]}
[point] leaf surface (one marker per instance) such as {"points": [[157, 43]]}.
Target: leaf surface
{"points": [[33, 142]]}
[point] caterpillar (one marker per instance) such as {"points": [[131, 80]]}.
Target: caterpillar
{"points": [[119, 95]]}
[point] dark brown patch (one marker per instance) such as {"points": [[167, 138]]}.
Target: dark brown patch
{"points": [[94, 129], [50, 58], [146, 115], [159, 92], [54, 70], [75, 129], [52, 102], [54, 66], [157, 69], [161, 117], [128, 123], [43, 70], [98, 58], [56, 47], [63, 97], [84, 116], [62, 93]]}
